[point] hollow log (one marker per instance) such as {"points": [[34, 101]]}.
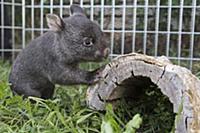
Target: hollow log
{"points": [[126, 73]]}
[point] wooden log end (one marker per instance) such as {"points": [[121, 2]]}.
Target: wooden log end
{"points": [[126, 73]]}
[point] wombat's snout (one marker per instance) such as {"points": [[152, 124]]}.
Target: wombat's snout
{"points": [[102, 54]]}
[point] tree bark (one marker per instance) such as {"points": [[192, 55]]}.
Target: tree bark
{"points": [[126, 73]]}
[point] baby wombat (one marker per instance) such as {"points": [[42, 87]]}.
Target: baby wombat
{"points": [[53, 57]]}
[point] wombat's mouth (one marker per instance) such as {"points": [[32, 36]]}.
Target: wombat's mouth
{"points": [[93, 59], [98, 56], [98, 59]]}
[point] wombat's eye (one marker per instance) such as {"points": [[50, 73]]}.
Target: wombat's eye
{"points": [[87, 41]]}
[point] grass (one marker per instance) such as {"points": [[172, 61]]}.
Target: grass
{"points": [[67, 112]]}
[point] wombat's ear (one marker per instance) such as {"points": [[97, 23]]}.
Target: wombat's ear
{"points": [[76, 10], [54, 22]]}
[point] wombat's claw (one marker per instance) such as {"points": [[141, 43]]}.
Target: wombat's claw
{"points": [[97, 78]]}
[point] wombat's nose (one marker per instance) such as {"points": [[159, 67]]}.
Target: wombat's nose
{"points": [[106, 52]]}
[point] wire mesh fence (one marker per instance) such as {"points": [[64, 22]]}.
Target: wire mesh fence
{"points": [[152, 27]]}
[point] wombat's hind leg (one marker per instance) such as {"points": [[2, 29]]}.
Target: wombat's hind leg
{"points": [[26, 92], [48, 93]]}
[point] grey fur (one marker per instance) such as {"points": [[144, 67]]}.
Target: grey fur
{"points": [[53, 57]]}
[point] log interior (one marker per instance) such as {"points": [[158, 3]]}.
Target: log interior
{"points": [[130, 88]]}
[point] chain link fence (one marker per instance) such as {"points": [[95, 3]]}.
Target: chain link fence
{"points": [[152, 27]]}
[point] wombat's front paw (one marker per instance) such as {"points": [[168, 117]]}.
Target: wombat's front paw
{"points": [[96, 75], [94, 79]]}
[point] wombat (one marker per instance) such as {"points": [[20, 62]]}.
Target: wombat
{"points": [[53, 57]]}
